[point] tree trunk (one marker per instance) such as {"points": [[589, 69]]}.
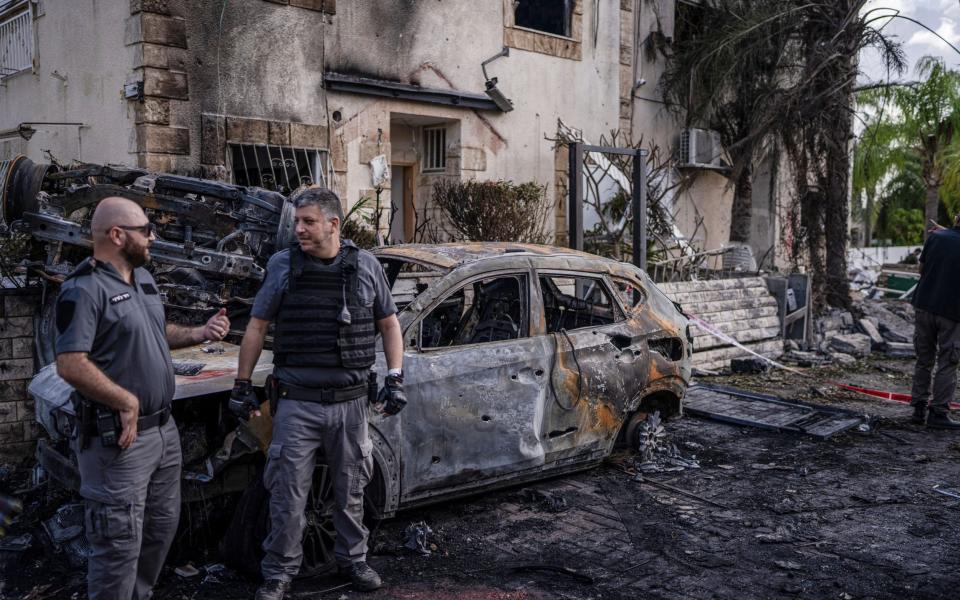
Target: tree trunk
{"points": [[741, 211], [931, 207], [868, 220]]}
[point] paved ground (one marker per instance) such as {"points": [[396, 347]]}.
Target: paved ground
{"points": [[778, 515]]}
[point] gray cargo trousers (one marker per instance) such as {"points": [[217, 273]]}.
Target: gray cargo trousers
{"points": [[936, 340], [299, 429], [132, 500]]}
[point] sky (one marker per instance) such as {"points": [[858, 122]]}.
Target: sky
{"points": [[943, 16]]}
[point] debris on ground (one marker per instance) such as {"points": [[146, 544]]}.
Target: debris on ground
{"points": [[415, 537], [952, 492], [545, 500], [742, 407], [655, 453], [187, 570], [66, 532]]}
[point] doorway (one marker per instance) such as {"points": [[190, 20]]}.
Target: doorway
{"points": [[403, 221]]}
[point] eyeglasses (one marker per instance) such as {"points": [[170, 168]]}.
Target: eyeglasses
{"points": [[145, 230]]}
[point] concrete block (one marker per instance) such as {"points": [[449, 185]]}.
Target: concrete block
{"points": [[247, 131], [6, 348], [155, 163], [21, 305], [11, 327], [213, 138], [11, 432], [871, 330], [26, 410], [150, 55], [900, 350], [8, 412], [842, 358], [155, 111], [31, 430], [163, 140], [16, 368], [21, 347], [14, 389], [303, 135], [165, 84], [338, 154], [855, 344], [163, 30], [278, 133]]}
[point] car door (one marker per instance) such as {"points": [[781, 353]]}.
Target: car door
{"points": [[476, 381], [598, 362]]}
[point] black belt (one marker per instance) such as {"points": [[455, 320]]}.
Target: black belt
{"points": [[322, 395], [157, 419]]}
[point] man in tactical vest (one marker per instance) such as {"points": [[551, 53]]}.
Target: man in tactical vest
{"points": [[113, 348], [327, 299]]}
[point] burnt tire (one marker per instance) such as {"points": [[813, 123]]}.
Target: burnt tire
{"points": [[242, 546]]}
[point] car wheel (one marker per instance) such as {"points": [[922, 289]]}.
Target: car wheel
{"points": [[242, 546]]}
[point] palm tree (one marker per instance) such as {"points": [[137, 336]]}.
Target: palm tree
{"points": [[784, 70], [918, 134]]}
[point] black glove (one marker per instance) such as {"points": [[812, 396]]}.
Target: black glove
{"points": [[391, 395], [243, 400]]}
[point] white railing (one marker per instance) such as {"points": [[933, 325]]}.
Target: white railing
{"points": [[16, 43]]}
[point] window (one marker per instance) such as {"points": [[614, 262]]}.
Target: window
{"points": [[631, 294], [277, 168], [548, 16], [575, 302], [485, 310], [16, 38], [434, 149]]}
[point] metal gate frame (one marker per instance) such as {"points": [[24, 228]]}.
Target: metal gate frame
{"points": [[639, 200]]}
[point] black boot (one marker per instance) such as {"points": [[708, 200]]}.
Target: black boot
{"points": [[363, 578], [941, 420], [919, 416]]}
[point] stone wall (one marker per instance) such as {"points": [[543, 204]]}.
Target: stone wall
{"points": [[18, 428]]}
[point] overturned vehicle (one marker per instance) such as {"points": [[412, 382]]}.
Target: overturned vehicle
{"points": [[520, 361]]}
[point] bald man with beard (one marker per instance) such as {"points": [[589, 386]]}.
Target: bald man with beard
{"points": [[113, 346]]}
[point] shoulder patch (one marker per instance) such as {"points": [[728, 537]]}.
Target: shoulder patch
{"points": [[65, 310], [120, 298], [148, 288]]}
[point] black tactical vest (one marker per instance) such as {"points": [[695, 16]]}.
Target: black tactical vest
{"points": [[312, 328]]}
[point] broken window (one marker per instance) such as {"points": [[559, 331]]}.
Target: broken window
{"points": [[407, 279], [485, 310], [16, 38], [277, 168], [631, 293], [548, 16], [575, 302], [434, 149]]}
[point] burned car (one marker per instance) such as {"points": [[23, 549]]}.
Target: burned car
{"points": [[521, 361]]}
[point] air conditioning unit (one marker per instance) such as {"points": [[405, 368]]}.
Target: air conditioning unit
{"points": [[700, 148]]}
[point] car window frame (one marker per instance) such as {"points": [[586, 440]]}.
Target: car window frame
{"points": [[618, 309], [637, 284], [416, 327]]}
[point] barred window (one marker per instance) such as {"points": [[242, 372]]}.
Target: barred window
{"points": [[434, 149], [278, 168], [16, 38]]}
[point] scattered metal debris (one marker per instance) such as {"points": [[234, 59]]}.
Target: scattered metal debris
{"points": [[65, 529], [415, 537], [656, 454], [547, 501], [739, 407], [952, 492]]}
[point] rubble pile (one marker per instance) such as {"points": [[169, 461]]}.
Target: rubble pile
{"points": [[843, 337]]}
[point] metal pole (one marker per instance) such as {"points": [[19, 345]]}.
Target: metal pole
{"points": [[640, 210], [575, 208]]}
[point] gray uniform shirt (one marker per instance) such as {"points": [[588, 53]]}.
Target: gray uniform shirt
{"points": [[373, 291], [122, 328]]}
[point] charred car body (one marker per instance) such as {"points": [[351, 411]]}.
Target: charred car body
{"points": [[520, 361]]}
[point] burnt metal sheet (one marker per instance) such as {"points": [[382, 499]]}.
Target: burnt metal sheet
{"points": [[219, 360], [740, 407], [337, 82]]}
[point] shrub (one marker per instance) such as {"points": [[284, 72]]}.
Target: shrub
{"points": [[494, 211]]}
